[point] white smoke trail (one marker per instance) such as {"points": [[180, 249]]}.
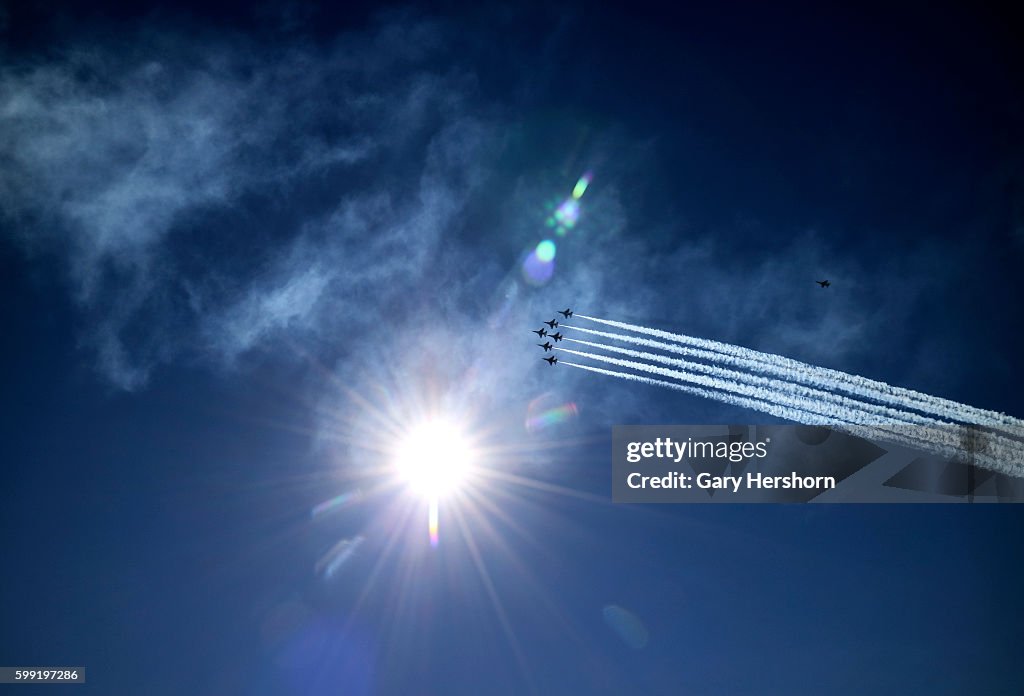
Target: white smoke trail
{"points": [[755, 404], [769, 407], [786, 406], [885, 414], [678, 349], [830, 379], [823, 401], [783, 404]]}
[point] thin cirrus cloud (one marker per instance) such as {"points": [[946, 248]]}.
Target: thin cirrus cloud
{"points": [[207, 195]]}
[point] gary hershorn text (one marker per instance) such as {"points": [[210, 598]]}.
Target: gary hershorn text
{"points": [[675, 479]]}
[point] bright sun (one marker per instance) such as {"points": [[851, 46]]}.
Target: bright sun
{"points": [[434, 459]]}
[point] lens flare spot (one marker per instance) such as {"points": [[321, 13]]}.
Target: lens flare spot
{"points": [[432, 523], [568, 213], [626, 626], [337, 502], [283, 621], [541, 416], [581, 186], [337, 556], [537, 271], [546, 251]]}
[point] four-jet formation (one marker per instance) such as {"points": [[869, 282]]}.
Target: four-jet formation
{"points": [[543, 333]]}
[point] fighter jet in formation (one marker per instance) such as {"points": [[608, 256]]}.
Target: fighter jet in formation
{"points": [[823, 283], [556, 337]]}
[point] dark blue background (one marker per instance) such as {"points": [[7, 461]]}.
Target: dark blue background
{"points": [[155, 512]]}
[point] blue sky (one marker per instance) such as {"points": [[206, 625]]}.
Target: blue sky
{"points": [[242, 249]]}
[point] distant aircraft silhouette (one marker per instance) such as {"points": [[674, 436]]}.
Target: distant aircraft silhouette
{"points": [[552, 323], [541, 332], [551, 359], [557, 336], [823, 283], [567, 313], [546, 346]]}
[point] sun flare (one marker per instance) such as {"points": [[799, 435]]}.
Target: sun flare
{"points": [[434, 459]]}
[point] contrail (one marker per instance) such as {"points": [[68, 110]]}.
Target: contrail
{"points": [[678, 349], [769, 407], [784, 404], [831, 405], [799, 410], [884, 413], [820, 377], [755, 404]]}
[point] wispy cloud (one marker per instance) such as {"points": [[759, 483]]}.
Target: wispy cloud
{"points": [[206, 194], [210, 196]]}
